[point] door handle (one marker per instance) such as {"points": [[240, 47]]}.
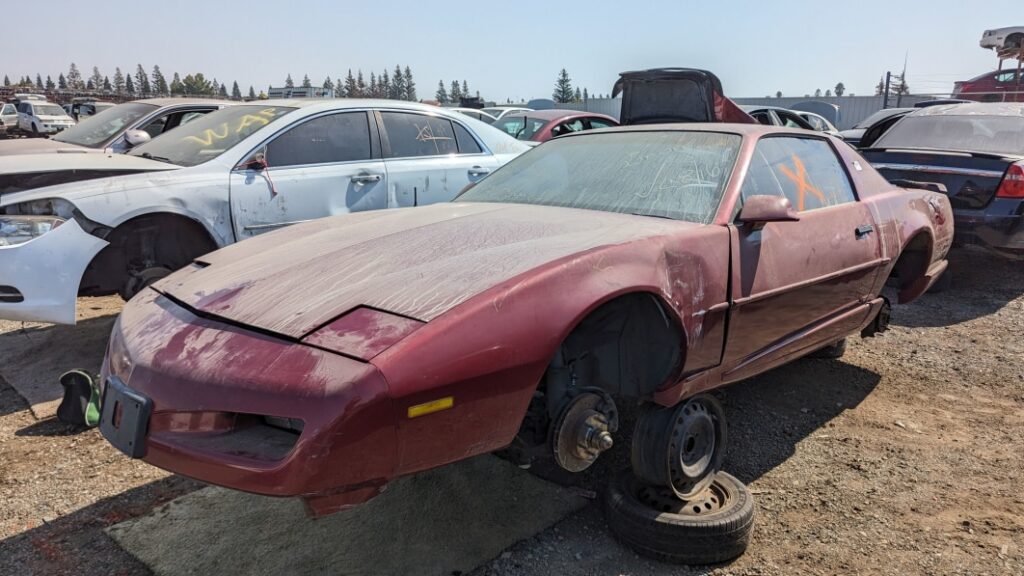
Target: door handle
{"points": [[864, 229], [365, 178], [479, 171]]}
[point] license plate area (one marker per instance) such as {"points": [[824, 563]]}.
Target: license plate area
{"points": [[125, 417]]}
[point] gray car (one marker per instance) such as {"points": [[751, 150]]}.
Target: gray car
{"points": [[107, 131], [8, 118]]}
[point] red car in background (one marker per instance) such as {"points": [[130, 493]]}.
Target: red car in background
{"points": [[998, 86], [543, 125]]}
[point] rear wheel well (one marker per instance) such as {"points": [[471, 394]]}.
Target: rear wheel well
{"points": [[912, 263], [152, 240]]}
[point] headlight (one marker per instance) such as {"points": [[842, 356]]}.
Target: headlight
{"points": [[21, 229], [119, 361]]}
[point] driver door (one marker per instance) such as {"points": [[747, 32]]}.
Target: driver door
{"points": [[326, 165]]}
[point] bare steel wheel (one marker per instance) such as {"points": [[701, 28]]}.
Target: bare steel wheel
{"points": [[680, 448]]}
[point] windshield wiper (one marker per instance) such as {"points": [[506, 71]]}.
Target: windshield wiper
{"points": [[652, 215], [149, 156]]}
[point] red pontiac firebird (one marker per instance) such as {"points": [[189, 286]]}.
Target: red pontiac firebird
{"points": [[648, 263]]}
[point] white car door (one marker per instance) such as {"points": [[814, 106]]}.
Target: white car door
{"points": [[326, 165], [429, 158]]}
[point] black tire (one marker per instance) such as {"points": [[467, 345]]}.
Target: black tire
{"points": [[945, 282], [665, 535], [831, 352], [35, 131]]}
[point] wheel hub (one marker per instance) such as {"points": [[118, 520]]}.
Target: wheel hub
{"points": [[584, 430]]}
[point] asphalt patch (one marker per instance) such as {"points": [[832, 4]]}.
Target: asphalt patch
{"points": [[445, 521]]}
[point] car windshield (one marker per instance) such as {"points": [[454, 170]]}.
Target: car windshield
{"points": [[98, 130], [206, 138], [677, 174], [519, 127], [48, 110], [993, 134]]}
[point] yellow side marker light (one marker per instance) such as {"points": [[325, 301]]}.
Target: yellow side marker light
{"points": [[431, 407]]}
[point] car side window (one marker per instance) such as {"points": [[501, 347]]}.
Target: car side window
{"points": [[596, 123], [411, 135], [788, 120], [804, 170], [467, 144], [156, 127], [343, 137], [1006, 77]]}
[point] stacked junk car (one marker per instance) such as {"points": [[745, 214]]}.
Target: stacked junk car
{"points": [[326, 296]]}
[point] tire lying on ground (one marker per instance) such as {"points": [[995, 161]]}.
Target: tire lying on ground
{"points": [[710, 528]]}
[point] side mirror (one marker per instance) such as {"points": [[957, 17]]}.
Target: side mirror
{"points": [[257, 162], [761, 209], [136, 137]]}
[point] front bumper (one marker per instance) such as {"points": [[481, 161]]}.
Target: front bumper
{"points": [[1000, 225], [46, 272], [212, 385]]}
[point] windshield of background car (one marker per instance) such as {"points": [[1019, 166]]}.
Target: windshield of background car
{"points": [[519, 127], [96, 131], [210, 136], [880, 115], [678, 175], [994, 134], [47, 110]]}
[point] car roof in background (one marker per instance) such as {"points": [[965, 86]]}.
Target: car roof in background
{"points": [[751, 130], [177, 101], [973, 109], [556, 114]]}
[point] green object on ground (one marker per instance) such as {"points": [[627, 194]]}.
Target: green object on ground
{"points": [[92, 410]]}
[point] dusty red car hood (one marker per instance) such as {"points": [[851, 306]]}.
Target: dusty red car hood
{"points": [[417, 262]]}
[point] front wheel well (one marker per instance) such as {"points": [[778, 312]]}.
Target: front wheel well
{"points": [[629, 346], [158, 239]]}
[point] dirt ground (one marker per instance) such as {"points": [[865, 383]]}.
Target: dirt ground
{"points": [[904, 457]]}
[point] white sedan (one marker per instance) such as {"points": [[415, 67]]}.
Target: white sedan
{"points": [[221, 178], [1011, 38]]}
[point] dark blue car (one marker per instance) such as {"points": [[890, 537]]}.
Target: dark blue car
{"points": [[974, 153]]}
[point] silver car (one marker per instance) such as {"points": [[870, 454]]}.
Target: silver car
{"points": [[8, 118]]}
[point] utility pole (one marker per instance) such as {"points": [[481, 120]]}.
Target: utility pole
{"points": [[885, 102], [903, 80]]}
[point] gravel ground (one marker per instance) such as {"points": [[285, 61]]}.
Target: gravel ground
{"points": [[904, 457]]}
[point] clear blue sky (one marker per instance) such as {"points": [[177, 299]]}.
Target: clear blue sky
{"points": [[516, 49]]}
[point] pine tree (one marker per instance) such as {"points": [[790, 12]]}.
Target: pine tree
{"points": [[374, 90], [89, 85], [39, 81], [97, 78], [585, 95], [118, 81], [62, 83], [397, 85], [106, 85], [339, 88], [50, 87], [75, 78], [441, 95], [7, 80], [465, 89], [252, 93], [159, 82], [880, 87], [328, 84], [288, 82], [305, 81], [384, 84], [176, 86], [236, 92], [129, 86], [351, 88], [817, 93], [455, 94], [577, 96], [142, 81], [360, 85], [410, 86], [563, 88]]}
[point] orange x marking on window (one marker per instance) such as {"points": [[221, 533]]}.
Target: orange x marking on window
{"points": [[800, 179]]}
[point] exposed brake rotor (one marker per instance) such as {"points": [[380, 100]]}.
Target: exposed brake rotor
{"points": [[584, 430]]}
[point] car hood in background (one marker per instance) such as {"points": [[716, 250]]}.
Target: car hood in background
{"points": [[40, 146], [28, 172], [416, 262]]}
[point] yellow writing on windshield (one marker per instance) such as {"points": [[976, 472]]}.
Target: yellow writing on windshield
{"points": [[259, 120]]}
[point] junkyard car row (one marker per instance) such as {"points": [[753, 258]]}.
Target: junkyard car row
{"points": [[373, 336]]}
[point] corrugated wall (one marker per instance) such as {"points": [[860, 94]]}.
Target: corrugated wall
{"points": [[852, 109]]}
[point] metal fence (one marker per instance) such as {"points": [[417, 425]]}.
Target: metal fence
{"points": [[852, 109]]}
